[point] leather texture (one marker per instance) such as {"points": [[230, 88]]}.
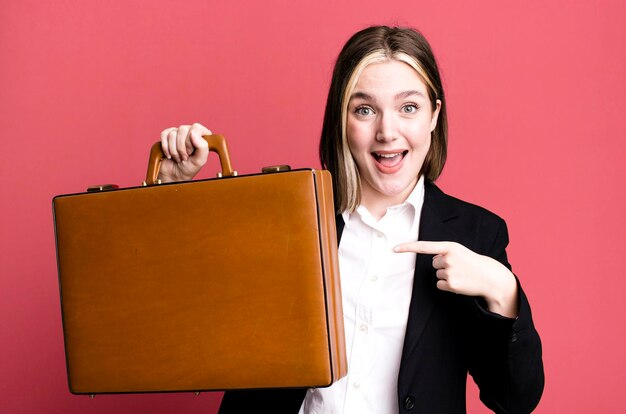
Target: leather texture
{"points": [[229, 283]]}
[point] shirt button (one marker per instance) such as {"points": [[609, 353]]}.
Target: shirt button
{"points": [[373, 278], [356, 385], [409, 403], [363, 328], [379, 235]]}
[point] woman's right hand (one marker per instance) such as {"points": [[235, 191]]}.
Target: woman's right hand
{"points": [[185, 152]]}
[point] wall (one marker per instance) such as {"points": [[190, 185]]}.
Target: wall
{"points": [[537, 98]]}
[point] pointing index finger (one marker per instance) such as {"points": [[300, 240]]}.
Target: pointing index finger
{"points": [[424, 247]]}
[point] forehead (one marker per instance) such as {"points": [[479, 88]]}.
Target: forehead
{"points": [[390, 77]]}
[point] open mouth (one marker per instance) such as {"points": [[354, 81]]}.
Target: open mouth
{"points": [[389, 159]]}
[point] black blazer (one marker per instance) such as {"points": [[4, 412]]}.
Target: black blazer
{"points": [[447, 335]]}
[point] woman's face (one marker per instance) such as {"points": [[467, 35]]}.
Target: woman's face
{"points": [[390, 119]]}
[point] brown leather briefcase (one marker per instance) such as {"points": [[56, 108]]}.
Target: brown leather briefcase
{"points": [[226, 283]]}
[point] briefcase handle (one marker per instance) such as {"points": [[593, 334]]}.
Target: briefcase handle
{"points": [[217, 143]]}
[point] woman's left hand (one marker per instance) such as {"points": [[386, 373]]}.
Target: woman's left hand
{"points": [[462, 271]]}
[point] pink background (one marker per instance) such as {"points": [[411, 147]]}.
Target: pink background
{"points": [[537, 103]]}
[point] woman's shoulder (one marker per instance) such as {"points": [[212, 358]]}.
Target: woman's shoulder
{"points": [[467, 223], [448, 205]]}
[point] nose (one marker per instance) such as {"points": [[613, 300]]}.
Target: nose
{"points": [[386, 128]]}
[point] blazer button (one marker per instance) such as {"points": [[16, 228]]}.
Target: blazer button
{"points": [[409, 403]]}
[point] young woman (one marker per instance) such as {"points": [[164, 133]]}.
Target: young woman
{"points": [[415, 324]]}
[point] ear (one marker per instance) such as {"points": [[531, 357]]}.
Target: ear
{"points": [[435, 115]]}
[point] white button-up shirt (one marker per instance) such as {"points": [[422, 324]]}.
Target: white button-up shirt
{"points": [[376, 286]]}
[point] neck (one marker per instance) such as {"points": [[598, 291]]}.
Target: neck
{"points": [[377, 203]]}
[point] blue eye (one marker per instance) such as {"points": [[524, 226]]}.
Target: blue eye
{"points": [[363, 111], [409, 108]]}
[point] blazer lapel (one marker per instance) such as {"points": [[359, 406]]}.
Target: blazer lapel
{"points": [[340, 225], [434, 214]]}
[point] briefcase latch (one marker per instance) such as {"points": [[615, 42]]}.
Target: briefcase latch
{"points": [[275, 168], [103, 187]]}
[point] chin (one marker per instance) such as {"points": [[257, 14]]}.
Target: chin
{"points": [[395, 190]]}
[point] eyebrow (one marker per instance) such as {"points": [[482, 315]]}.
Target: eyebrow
{"points": [[406, 94], [362, 95], [400, 95]]}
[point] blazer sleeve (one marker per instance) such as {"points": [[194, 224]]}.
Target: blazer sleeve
{"points": [[505, 357]]}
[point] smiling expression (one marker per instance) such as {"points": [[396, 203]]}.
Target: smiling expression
{"points": [[389, 123]]}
